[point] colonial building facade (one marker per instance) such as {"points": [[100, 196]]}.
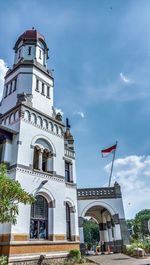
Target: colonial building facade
{"points": [[39, 151]]}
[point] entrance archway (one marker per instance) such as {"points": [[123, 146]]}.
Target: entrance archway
{"points": [[106, 207], [107, 230]]}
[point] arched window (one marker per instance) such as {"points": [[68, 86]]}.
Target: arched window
{"points": [[39, 219], [43, 156], [36, 158], [68, 222]]}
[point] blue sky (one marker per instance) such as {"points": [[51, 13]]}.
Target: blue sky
{"points": [[100, 53]]}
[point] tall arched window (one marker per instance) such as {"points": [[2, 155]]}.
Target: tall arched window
{"points": [[68, 222], [39, 219]]}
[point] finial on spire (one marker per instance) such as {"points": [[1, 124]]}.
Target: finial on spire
{"points": [[67, 124], [33, 28]]}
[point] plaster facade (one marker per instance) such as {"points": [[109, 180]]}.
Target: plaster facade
{"points": [[38, 149]]}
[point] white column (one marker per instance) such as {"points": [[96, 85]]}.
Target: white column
{"points": [[81, 235], [50, 223], [40, 159], [101, 232], [49, 163], [114, 232], [105, 233], [110, 234], [117, 232], [109, 227], [72, 218]]}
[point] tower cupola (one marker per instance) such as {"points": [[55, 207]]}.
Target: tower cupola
{"points": [[29, 79], [31, 46]]}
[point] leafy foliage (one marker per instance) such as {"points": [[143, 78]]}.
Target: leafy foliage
{"points": [[91, 232], [75, 253], [11, 194], [141, 222], [139, 225], [3, 260], [74, 257]]}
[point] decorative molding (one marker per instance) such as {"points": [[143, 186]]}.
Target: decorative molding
{"points": [[70, 184], [29, 171], [28, 64], [44, 129], [25, 98], [73, 209], [96, 193], [52, 204]]}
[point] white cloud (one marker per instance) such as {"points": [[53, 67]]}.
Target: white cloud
{"points": [[57, 110], [3, 70], [80, 113], [124, 79], [133, 174]]}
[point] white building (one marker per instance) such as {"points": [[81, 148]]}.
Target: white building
{"points": [[39, 151]]}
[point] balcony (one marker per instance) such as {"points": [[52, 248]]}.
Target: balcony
{"points": [[69, 153]]}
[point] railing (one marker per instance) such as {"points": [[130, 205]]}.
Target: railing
{"points": [[69, 153], [96, 193]]}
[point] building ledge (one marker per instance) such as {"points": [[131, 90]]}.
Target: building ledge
{"points": [[38, 242], [28, 257], [70, 184]]}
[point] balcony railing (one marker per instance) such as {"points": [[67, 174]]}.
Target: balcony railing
{"points": [[69, 153], [96, 193]]}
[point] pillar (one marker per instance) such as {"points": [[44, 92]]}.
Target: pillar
{"points": [[50, 220], [72, 218], [101, 232], [109, 227], [49, 162], [117, 234], [40, 159], [81, 233], [106, 239]]}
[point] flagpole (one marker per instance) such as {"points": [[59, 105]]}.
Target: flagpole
{"points": [[112, 165]]}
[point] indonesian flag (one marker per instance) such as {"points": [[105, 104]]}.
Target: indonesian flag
{"points": [[106, 152]]}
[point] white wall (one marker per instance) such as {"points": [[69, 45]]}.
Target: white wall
{"points": [[114, 206]]}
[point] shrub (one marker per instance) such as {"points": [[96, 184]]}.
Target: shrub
{"points": [[3, 260], [75, 254], [74, 257], [129, 249]]}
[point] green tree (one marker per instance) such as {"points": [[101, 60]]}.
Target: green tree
{"points": [[141, 223], [11, 194], [130, 224], [91, 232]]}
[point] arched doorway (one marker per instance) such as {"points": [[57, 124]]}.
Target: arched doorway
{"points": [[39, 219], [101, 217]]}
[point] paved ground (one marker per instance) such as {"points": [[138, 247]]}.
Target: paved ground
{"points": [[118, 259]]}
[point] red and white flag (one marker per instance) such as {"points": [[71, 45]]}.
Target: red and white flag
{"points": [[106, 152]]}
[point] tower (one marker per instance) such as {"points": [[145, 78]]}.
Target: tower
{"points": [[39, 151]]}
